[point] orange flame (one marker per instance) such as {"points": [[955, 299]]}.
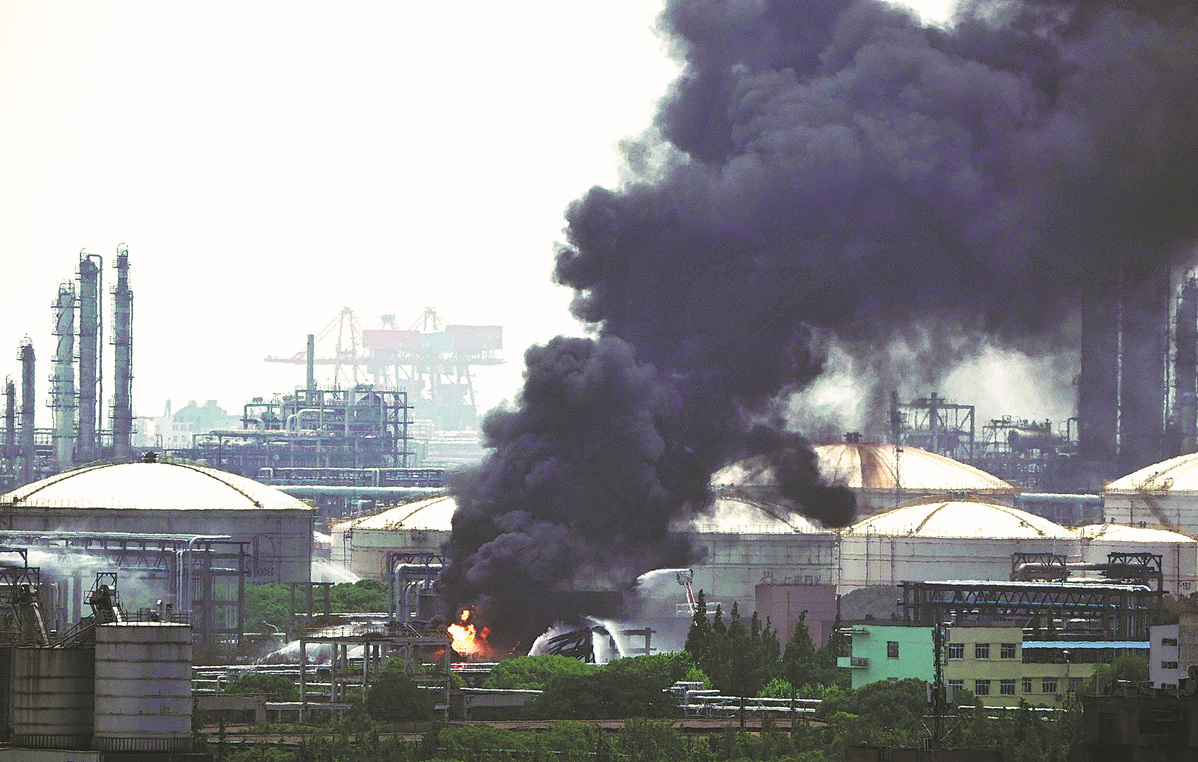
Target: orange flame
{"points": [[467, 639]]}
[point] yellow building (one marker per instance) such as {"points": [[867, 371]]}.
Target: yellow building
{"points": [[1000, 668]]}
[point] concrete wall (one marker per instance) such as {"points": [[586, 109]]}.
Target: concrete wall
{"points": [[782, 605]]}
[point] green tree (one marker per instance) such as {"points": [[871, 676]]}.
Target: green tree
{"points": [[1130, 667], [263, 684], [394, 696], [534, 672]]}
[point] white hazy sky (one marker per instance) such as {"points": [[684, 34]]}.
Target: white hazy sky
{"points": [[270, 163]]}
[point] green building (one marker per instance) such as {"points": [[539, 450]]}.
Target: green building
{"points": [[888, 652]]}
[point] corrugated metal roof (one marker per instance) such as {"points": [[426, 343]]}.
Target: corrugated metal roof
{"points": [[433, 513], [1110, 532], [158, 486], [872, 467], [960, 518], [1178, 474]]}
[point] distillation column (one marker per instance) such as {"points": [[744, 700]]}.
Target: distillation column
{"points": [[1185, 375], [28, 443], [62, 382], [122, 342], [10, 420], [1098, 383], [89, 355], [1142, 388]]}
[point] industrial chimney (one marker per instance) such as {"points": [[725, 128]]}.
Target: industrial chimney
{"points": [[1122, 388], [1185, 367], [1098, 382], [122, 342], [62, 381], [10, 420], [89, 354], [1144, 352], [28, 453]]}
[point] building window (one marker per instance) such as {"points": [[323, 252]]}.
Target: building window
{"points": [[1006, 687], [981, 687], [1075, 684], [956, 650], [1007, 651], [1048, 685], [892, 649], [1168, 641], [1168, 665], [1027, 685], [981, 650], [956, 685]]}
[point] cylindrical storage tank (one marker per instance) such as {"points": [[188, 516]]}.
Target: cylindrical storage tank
{"points": [[143, 687], [52, 691]]}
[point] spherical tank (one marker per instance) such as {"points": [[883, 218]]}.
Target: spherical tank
{"points": [[52, 697], [143, 687]]}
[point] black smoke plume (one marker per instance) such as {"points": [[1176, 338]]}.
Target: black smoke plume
{"points": [[823, 171]]}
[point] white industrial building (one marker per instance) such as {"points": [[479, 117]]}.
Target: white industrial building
{"points": [[1164, 494], [171, 498]]}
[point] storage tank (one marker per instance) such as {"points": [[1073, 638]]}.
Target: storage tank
{"points": [[143, 687], [52, 702]]}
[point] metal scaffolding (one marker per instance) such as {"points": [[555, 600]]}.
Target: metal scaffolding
{"points": [[1117, 611]]}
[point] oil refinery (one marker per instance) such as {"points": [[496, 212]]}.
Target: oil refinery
{"points": [[125, 557]]}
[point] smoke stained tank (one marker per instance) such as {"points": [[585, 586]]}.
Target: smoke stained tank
{"points": [[143, 687], [1034, 437], [52, 697]]}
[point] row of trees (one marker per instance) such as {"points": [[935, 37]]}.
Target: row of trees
{"points": [[271, 603], [881, 714], [747, 659]]}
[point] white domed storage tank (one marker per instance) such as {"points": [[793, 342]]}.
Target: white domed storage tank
{"points": [[1178, 552], [143, 687], [52, 697], [945, 540], [874, 475], [1164, 495], [362, 544], [745, 544]]}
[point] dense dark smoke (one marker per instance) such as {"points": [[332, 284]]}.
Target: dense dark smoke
{"points": [[824, 171]]}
